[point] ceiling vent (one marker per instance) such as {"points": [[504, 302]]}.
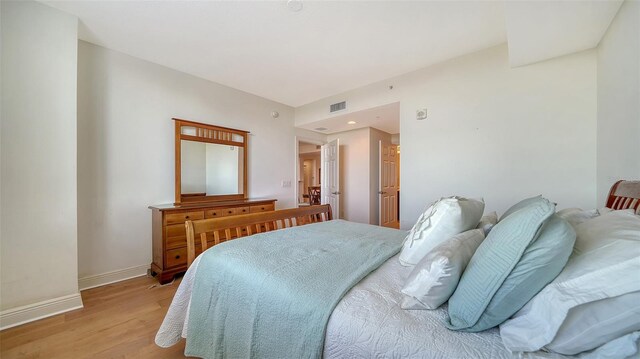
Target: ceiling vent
{"points": [[338, 106]]}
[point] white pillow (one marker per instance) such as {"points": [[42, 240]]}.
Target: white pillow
{"points": [[604, 210], [605, 264], [487, 222], [623, 347], [593, 324], [576, 216], [436, 276], [442, 220]]}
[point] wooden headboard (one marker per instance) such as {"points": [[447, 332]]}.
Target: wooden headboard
{"points": [[213, 231], [625, 194]]}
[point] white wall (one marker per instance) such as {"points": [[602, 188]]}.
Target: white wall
{"points": [[492, 131], [38, 149], [315, 137], [619, 100], [307, 147], [126, 160], [395, 139]]}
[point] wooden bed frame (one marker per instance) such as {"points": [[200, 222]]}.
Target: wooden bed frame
{"points": [[624, 195], [217, 230]]}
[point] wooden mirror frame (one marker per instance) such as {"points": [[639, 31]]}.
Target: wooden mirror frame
{"points": [[208, 134]]}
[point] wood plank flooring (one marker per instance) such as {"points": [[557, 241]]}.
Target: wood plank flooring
{"points": [[118, 321]]}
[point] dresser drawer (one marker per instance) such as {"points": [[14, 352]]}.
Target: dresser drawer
{"points": [[235, 211], [262, 208], [243, 210], [174, 218], [176, 236], [215, 213], [176, 257]]}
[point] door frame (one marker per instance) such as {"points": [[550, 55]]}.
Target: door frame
{"points": [[296, 175]]}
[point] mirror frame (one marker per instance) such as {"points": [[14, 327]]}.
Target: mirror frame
{"points": [[208, 134]]}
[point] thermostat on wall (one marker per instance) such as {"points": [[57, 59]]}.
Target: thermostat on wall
{"points": [[421, 114]]}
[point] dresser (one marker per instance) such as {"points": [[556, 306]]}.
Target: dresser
{"points": [[169, 233]]}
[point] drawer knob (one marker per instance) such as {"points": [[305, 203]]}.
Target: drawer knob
{"points": [[187, 217], [230, 212], [178, 256]]}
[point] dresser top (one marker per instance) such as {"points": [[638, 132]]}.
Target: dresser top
{"points": [[239, 202]]}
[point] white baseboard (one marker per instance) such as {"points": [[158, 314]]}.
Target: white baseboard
{"points": [[111, 277], [29, 313]]}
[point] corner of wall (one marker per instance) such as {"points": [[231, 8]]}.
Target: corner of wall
{"points": [[618, 101], [39, 263]]}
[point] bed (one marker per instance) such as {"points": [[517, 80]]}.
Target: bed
{"points": [[366, 321]]}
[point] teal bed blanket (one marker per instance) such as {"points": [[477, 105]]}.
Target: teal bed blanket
{"points": [[270, 295]]}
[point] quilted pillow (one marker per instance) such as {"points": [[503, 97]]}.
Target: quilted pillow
{"points": [[441, 221], [522, 253], [520, 205]]}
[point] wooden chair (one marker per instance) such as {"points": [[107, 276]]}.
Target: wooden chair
{"points": [[314, 195], [214, 231]]}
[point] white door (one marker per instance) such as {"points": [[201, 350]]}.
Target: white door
{"points": [[330, 186], [388, 186]]}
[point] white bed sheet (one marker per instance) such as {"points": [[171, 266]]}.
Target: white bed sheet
{"points": [[369, 323]]}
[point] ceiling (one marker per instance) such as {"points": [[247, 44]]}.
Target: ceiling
{"points": [[264, 48], [294, 58], [385, 118], [561, 27]]}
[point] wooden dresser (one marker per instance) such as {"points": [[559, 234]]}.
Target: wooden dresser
{"points": [[169, 233]]}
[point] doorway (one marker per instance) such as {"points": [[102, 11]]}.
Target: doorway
{"points": [[356, 193], [308, 172]]}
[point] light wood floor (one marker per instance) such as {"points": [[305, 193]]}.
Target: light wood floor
{"points": [[118, 321]]}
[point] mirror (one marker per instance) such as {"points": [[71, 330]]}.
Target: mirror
{"points": [[210, 169], [211, 162]]}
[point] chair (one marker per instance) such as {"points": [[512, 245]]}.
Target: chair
{"points": [[314, 195]]}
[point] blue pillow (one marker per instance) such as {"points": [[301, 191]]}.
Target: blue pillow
{"points": [[540, 264], [492, 264], [520, 205]]}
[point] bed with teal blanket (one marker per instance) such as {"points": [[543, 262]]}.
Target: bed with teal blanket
{"points": [[330, 290], [270, 295]]}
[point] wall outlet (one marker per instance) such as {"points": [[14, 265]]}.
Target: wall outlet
{"points": [[286, 183]]}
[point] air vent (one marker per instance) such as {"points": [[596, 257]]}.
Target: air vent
{"points": [[338, 106]]}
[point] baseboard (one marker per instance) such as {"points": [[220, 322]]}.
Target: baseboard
{"points": [[111, 277], [29, 313]]}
